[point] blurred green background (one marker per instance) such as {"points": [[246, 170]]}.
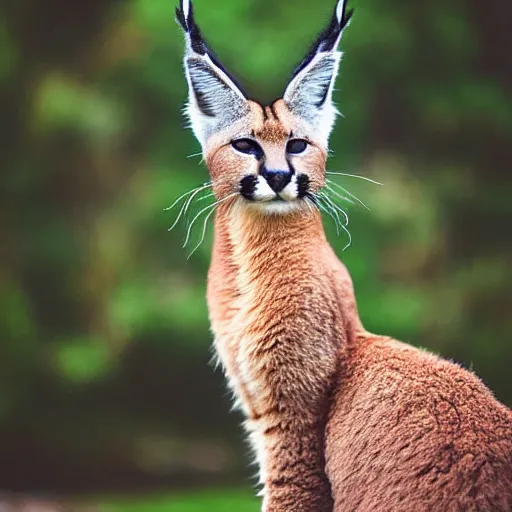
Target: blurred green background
{"points": [[106, 391]]}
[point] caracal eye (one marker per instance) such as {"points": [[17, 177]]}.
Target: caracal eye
{"points": [[296, 146], [248, 147]]}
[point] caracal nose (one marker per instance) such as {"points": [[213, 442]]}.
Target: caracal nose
{"points": [[277, 180]]}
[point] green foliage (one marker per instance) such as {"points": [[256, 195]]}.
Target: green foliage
{"points": [[82, 360], [64, 106], [211, 501], [8, 54]]}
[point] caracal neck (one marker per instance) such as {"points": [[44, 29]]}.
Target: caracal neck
{"points": [[259, 258]]}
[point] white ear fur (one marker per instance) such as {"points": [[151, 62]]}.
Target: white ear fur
{"points": [[186, 8], [215, 101], [340, 10], [309, 94]]}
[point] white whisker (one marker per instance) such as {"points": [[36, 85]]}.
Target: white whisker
{"points": [[186, 205], [338, 208], [344, 198], [206, 196], [203, 186], [310, 206], [335, 208], [332, 212], [189, 230], [206, 208], [205, 225], [354, 176], [193, 155], [348, 193], [327, 208], [349, 237]]}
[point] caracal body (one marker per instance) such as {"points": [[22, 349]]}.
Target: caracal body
{"points": [[340, 419]]}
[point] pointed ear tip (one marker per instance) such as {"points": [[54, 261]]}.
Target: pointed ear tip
{"points": [[343, 14], [180, 18], [184, 14]]}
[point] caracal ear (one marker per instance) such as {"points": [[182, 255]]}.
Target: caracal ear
{"points": [[309, 93], [215, 99]]}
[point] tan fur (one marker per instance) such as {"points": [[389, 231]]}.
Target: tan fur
{"points": [[340, 419]]}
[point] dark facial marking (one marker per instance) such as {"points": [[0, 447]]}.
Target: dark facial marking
{"points": [[274, 112], [265, 115], [290, 166], [248, 186], [302, 185]]}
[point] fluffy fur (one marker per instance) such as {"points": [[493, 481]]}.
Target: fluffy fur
{"points": [[341, 420]]}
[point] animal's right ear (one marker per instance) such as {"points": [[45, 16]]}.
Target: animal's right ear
{"points": [[215, 99]]}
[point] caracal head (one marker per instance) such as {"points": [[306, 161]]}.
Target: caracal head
{"points": [[271, 156]]}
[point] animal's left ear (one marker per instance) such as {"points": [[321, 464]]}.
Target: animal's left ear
{"points": [[309, 93]]}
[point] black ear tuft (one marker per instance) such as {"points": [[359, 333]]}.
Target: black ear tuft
{"points": [[326, 40], [189, 25], [180, 17]]}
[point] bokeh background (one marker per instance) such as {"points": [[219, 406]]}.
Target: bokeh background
{"points": [[107, 397]]}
